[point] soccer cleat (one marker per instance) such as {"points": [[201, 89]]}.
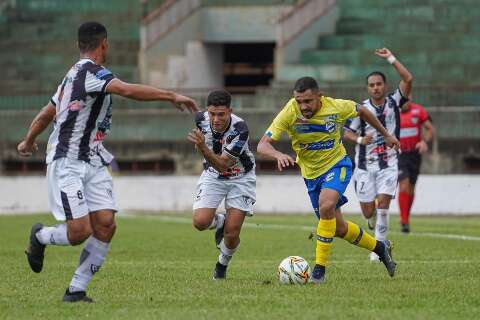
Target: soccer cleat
{"points": [[77, 296], [372, 221], [387, 259], [220, 272], [405, 228], [318, 275], [219, 233], [35, 250]]}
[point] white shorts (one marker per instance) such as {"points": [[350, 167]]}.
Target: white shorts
{"points": [[368, 184], [76, 188], [239, 193]]}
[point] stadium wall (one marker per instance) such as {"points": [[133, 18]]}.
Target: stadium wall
{"points": [[437, 194]]}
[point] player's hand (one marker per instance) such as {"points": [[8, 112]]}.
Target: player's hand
{"points": [[183, 102], [421, 147], [383, 53], [366, 140], [283, 161], [196, 136], [392, 142], [26, 149]]}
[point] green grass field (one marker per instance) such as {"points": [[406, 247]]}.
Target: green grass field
{"points": [[159, 267]]}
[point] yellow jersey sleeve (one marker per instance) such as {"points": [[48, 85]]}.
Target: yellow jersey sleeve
{"points": [[347, 109], [280, 124]]}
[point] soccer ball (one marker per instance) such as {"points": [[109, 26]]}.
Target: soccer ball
{"points": [[293, 270]]}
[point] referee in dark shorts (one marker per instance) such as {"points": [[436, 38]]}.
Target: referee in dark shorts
{"points": [[416, 131]]}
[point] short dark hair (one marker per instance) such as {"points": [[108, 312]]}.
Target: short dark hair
{"points": [[218, 98], [305, 83], [90, 36], [377, 73]]}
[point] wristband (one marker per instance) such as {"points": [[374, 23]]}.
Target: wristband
{"points": [[391, 59], [359, 140]]}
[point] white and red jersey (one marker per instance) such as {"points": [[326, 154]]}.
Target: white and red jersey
{"points": [[411, 122]]}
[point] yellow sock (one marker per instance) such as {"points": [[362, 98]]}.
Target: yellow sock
{"points": [[325, 234], [355, 235]]}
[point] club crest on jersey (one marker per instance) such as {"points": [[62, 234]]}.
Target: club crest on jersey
{"points": [[414, 120], [76, 105], [330, 126]]}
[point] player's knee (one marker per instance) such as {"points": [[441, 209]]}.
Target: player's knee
{"points": [[327, 209], [77, 236], [200, 223], [105, 231], [233, 233]]}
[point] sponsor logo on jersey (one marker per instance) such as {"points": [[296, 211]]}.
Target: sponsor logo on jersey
{"points": [[319, 145], [76, 105]]}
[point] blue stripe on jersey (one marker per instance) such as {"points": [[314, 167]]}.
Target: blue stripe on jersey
{"points": [[66, 130], [329, 127]]}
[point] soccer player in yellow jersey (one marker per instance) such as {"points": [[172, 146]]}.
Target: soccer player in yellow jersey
{"points": [[314, 124]]}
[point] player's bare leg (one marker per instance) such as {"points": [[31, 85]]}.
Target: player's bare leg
{"points": [[369, 211], [231, 241], [102, 224], [208, 218]]}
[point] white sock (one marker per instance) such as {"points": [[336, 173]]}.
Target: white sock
{"points": [[226, 254], [91, 259], [56, 235], [381, 227], [217, 221]]}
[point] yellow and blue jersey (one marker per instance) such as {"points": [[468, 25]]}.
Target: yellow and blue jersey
{"points": [[316, 141]]}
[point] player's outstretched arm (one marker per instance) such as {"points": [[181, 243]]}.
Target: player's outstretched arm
{"points": [[369, 117], [220, 162], [265, 148], [349, 135], [407, 78], [41, 121], [148, 93]]}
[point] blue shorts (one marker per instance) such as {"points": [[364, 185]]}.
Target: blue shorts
{"points": [[337, 178]]}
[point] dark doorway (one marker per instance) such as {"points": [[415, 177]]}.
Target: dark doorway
{"points": [[247, 66]]}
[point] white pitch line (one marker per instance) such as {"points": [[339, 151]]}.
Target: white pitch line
{"points": [[307, 228]]}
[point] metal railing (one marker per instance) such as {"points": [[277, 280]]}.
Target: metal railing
{"points": [[299, 18], [160, 21]]}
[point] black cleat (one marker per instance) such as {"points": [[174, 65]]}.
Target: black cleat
{"points": [[220, 272], [318, 275], [405, 228], [78, 296], [219, 234], [35, 251], [386, 258]]}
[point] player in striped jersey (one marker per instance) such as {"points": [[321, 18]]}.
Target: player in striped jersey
{"points": [[376, 170], [80, 187], [229, 175]]}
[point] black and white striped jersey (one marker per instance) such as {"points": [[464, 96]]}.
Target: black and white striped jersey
{"points": [[84, 115], [376, 155], [233, 141]]}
